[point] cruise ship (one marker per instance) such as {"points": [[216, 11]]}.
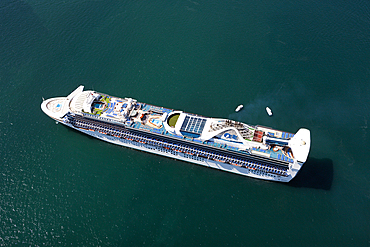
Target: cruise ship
{"points": [[250, 150]]}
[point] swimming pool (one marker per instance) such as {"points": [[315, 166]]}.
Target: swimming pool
{"points": [[98, 105]]}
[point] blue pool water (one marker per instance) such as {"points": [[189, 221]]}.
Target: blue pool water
{"points": [[98, 106]]}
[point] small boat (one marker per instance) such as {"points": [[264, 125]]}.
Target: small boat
{"points": [[239, 108], [268, 110]]}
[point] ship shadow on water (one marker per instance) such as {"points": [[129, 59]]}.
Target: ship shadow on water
{"points": [[316, 174]]}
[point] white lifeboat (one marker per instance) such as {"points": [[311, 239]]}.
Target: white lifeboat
{"points": [[239, 108], [268, 110]]}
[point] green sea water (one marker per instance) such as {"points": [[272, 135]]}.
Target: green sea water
{"points": [[309, 61]]}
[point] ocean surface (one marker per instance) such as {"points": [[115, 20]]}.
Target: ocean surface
{"points": [[308, 60]]}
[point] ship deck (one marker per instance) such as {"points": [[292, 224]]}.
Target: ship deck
{"points": [[277, 155], [155, 112], [149, 119]]}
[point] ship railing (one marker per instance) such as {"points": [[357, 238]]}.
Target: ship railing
{"points": [[263, 167]]}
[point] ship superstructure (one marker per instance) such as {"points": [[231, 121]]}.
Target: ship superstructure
{"points": [[255, 151]]}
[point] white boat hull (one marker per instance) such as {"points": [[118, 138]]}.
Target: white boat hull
{"points": [[182, 156]]}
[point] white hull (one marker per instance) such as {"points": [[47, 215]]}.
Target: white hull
{"points": [[183, 156]]}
